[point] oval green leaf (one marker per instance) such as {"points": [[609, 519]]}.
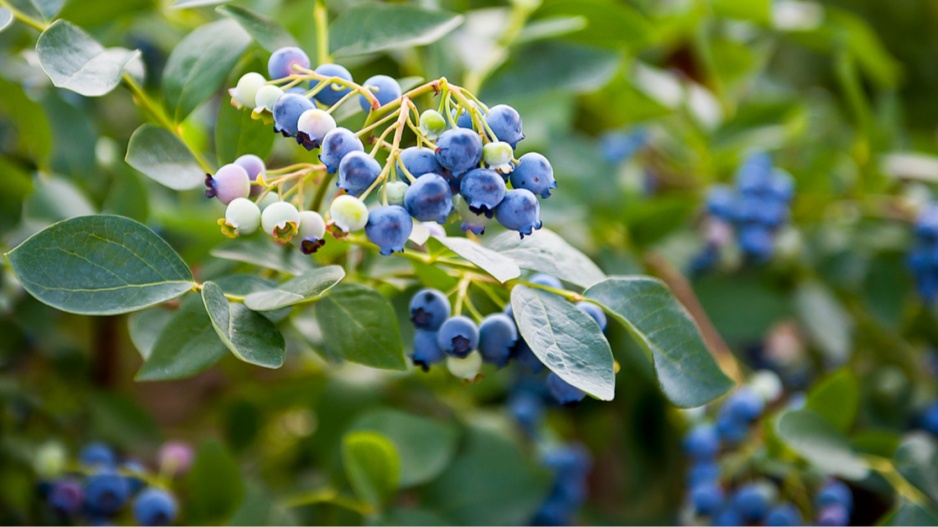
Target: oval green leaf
{"points": [[501, 267], [186, 345], [836, 398], [304, 288], [687, 373], [359, 325], [236, 134], [818, 441], [77, 62], [546, 252], [6, 17], [145, 327], [369, 28], [262, 251], [251, 337], [99, 265], [266, 32], [372, 466], [199, 65], [566, 340], [162, 157]]}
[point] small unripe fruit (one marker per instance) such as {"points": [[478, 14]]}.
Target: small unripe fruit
{"points": [[432, 124], [498, 155], [349, 213], [312, 127], [255, 167], [312, 231], [246, 90], [396, 191], [466, 368], [242, 217], [280, 220], [266, 98], [471, 221], [229, 182]]}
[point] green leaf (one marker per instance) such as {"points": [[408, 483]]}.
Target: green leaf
{"points": [[214, 486], [470, 492], [359, 324], [546, 252], [264, 252], [200, 63], [425, 446], [917, 460], [33, 132], [251, 337], [756, 10], [267, 32], [6, 18], [181, 4], [826, 320], [909, 513], [501, 267], [164, 158], [145, 327], [374, 27], [77, 62], [551, 28], [100, 265], [236, 134], [609, 23], [44, 9], [372, 466], [818, 441], [566, 340], [304, 288], [186, 345], [836, 398], [686, 371], [55, 199]]}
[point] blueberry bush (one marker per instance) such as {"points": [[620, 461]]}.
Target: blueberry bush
{"points": [[527, 262]]}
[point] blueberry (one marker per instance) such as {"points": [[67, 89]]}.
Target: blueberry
{"points": [[426, 350], [384, 88], [528, 410], [483, 190], [519, 211], [706, 498], [751, 501], [784, 515], [464, 118], [762, 210], [66, 497], [336, 145], [429, 198], [526, 358], [546, 280], [312, 127], [255, 167], [783, 186], [287, 111], [282, 61], [702, 442], [266, 98], [754, 175], [728, 517], [432, 124], [535, 174], [429, 308], [471, 221], [418, 161], [389, 227], [229, 183], [703, 472], [595, 312], [395, 191], [929, 419], [497, 335], [106, 492], [834, 516], [135, 474], [835, 492], [97, 455], [357, 172], [154, 507], [732, 431], [756, 242], [618, 147], [743, 405], [311, 231], [466, 368], [458, 336], [242, 217], [505, 121], [722, 202], [554, 513], [349, 213], [280, 220], [562, 391], [246, 90], [334, 92], [459, 150], [926, 226]]}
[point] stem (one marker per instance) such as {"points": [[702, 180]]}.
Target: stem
{"points": [[321, 21], [895, 478], [321, 191], [330, 496], [462, 291]]}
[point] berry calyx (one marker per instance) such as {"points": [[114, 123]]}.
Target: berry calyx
{"points": [[280, 220], [458, 336], [311, 231]]}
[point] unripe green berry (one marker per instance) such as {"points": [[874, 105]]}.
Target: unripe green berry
{"points": [[280, 220], [245, 92], [266, 98], [269, 200], [466, 368], [396, 190], [349, 213], [241, 217], [470, 220], [50, 460], [432, 124], [498, 156]]}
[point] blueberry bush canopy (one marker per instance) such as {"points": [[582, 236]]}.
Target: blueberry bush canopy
{"points": [[532, 262]]}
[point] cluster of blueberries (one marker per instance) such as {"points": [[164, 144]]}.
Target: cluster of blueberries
{"points": [[463, 164], [755, 210], [101, 486], [923, 259], [494, 340], [713, 500], [570, 465]]}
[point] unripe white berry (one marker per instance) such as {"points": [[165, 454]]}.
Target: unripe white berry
{"points": [[466, 368], [349, 213], [242, 217], [249, 84]]}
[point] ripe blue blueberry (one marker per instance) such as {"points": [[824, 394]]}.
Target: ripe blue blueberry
{"points": [[618, 147], [763, 210], [756, 242], [519, 211], [929, 419], [154, 507], [743, 405], [505, 121], [464, 118], [722, 202], [97, 455], [429, 308], [282, 61], [497, 336], [535, 174], [471, 221], [483, 190], [728, 517], [426, 350], [595, 312], [254, 166], [357, 172], [562, 391], [66, 497], [528, 410], [383, 87], [754, 175], [546, 280], [336, 145], [926, 225], [135, 474], [834, 516], [312, 127], [429, 198], [389, 227], [752, 502], [702, 442], [458, 336], [784, 515], [732, 431], [570, 464], [459, 150], [331, 94], [418, 161], [287, 111], [783, 186], [106, 492], [835, 492], [703, 472], [706, 498], [526, 358], [229, 183]]}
